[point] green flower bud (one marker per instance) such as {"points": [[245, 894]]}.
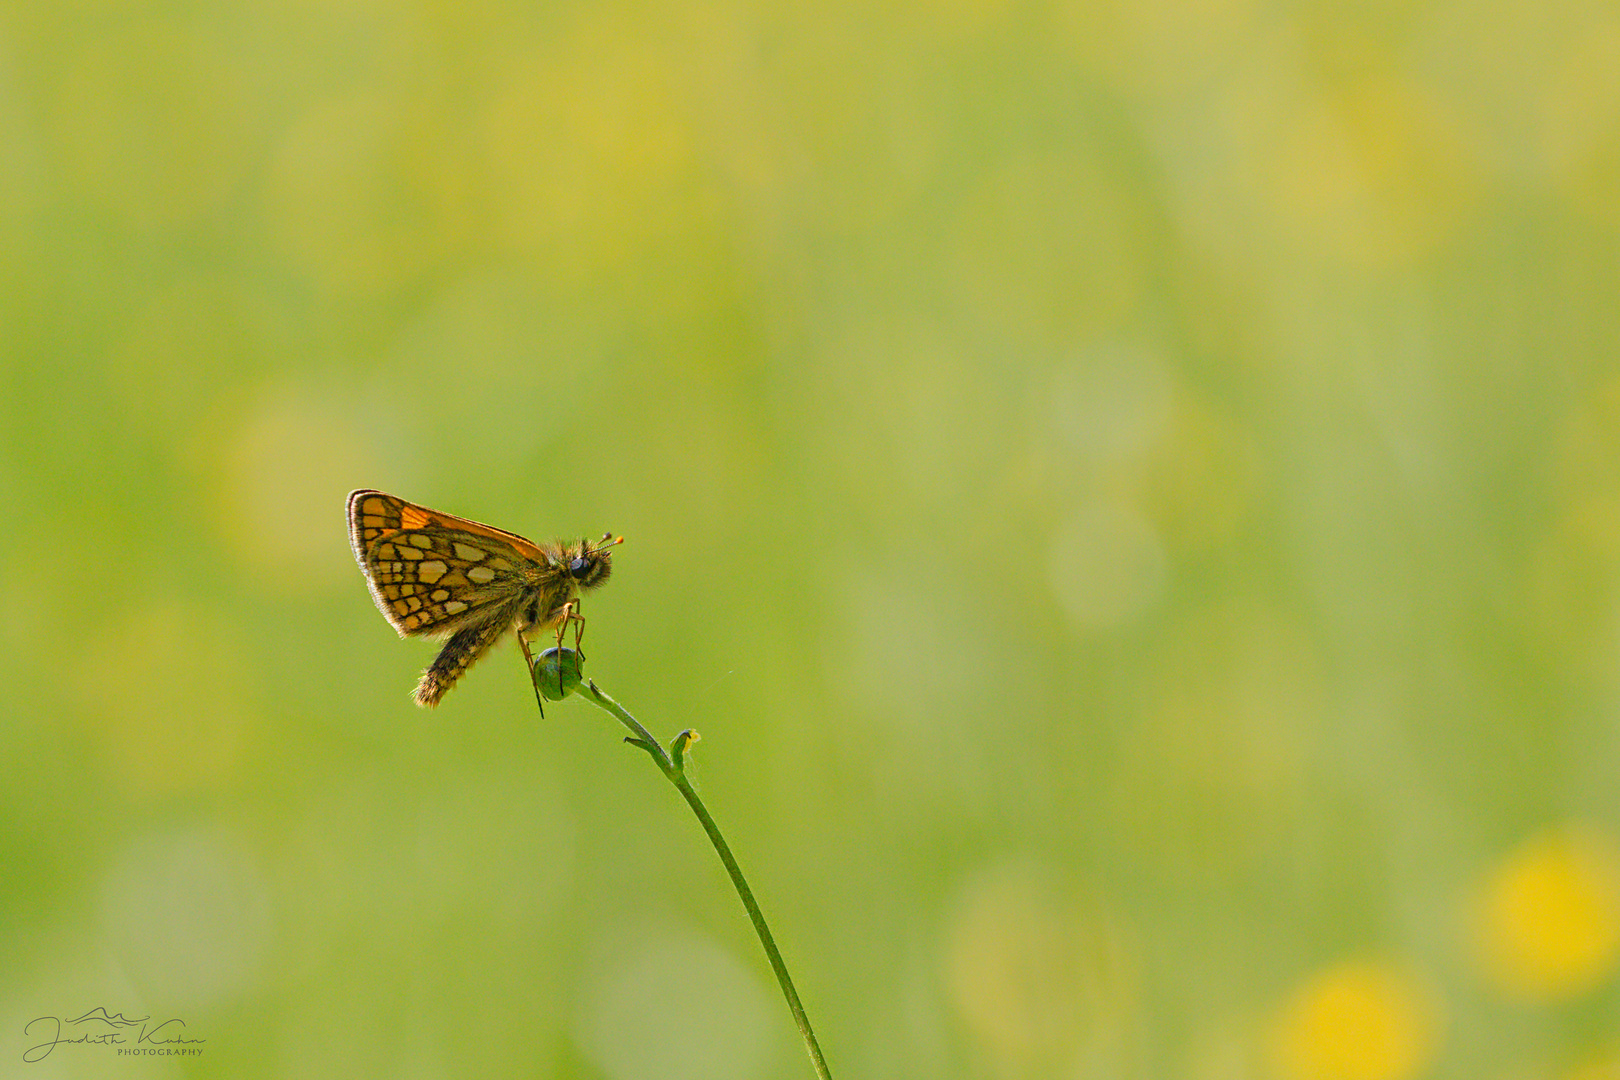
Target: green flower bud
{"points": [[556, 673]]}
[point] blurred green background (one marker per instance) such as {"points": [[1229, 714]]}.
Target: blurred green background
{"points": [[1128, 492]]}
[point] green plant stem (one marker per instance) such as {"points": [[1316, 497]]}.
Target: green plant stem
{"points": [[673, 766]]}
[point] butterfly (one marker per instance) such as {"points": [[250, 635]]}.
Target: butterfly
{"points": [[436, 575]]}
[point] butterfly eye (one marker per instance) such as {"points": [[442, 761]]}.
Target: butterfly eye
{"points": [[579, 567]]}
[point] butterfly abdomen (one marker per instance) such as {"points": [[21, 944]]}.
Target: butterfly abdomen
{"points": [[462, 649]]}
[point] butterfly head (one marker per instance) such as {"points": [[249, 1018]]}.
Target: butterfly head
{"points": [[590, 564]]}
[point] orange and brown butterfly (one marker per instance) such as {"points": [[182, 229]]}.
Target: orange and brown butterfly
{"points": [[437, 575]]}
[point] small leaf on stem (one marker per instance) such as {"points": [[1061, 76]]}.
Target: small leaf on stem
{"points": [[677, 748]]}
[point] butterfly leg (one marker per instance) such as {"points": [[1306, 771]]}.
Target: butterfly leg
{"points": [[579, 629], [570, 614], [528, 659]]}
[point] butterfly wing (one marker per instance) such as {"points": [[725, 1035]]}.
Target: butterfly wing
{"points": [[435, 574]]}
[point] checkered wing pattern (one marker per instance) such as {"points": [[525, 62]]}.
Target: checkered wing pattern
{"points": [[437, 575]]}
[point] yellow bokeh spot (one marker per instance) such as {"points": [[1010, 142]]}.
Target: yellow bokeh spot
{"points": [[1202, 477], [1376, 173], [1604, 1064], [1038, 980], [166, 693], [1358, 1020], [1548, 919], [1579, 138], [152, 124], [1588, 448], [588, 145]]}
